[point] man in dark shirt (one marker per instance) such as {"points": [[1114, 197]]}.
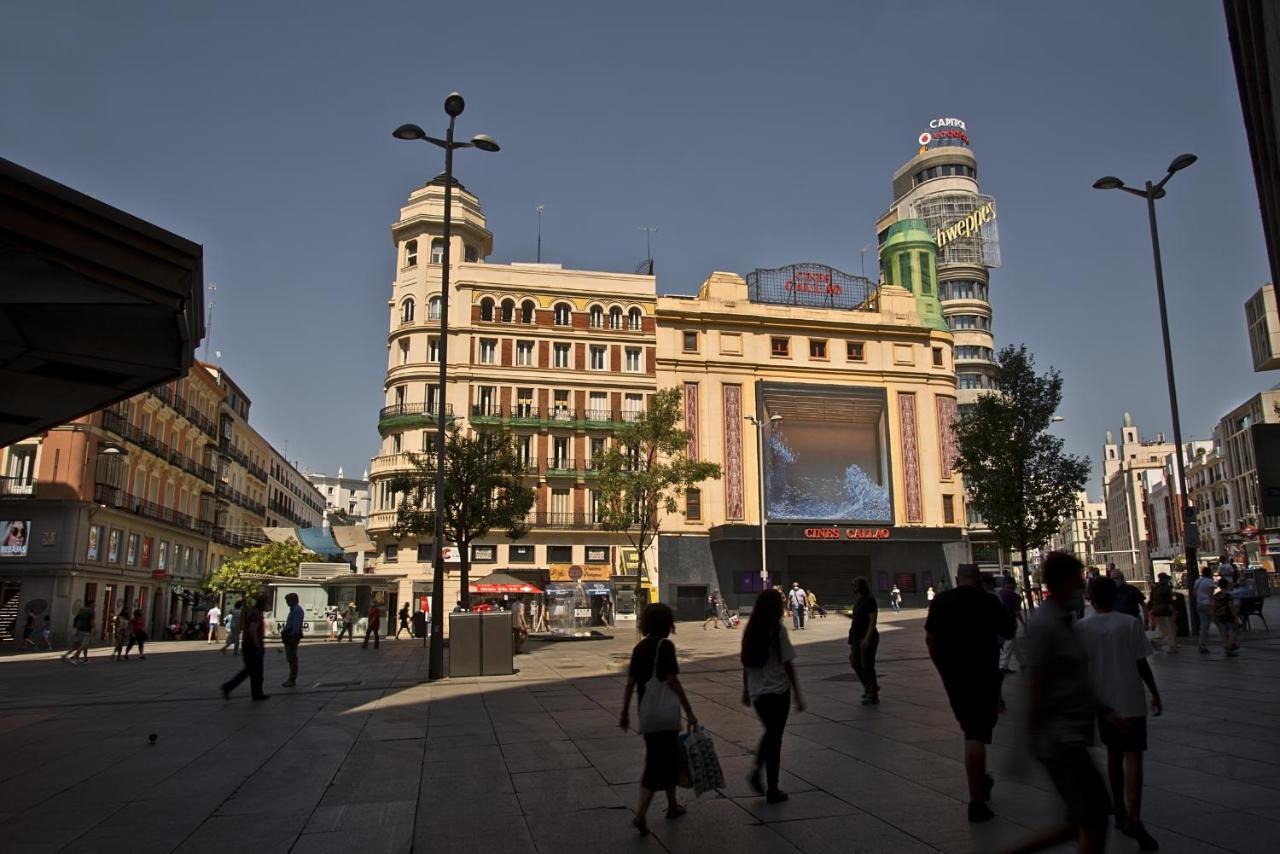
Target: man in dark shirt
{"points": [[963, 632], [1129, 599]]}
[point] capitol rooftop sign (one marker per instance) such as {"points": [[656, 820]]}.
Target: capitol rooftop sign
{"points": [[811, 286]]}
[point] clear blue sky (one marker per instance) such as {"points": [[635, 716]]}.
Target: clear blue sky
{"points": [[751, 134]]}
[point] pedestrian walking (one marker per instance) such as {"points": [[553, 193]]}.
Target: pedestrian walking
{"points": [[864, 640], [654, 675], [1224, 612], [1203, 592], [404, 622], [375, 623], [46, 633], [234, 617], [895, 599], [1162, 611], [121, 630], [1062, 710], [797, 602], [712, 614], [812, 604], [768, 683], [215, 618], [963, 632], [1012, 603], [82, 624], [348, 623], [28, 629], [1118, 648], [1129, 599], [291, 637], [252, 650], [331, 617], [137, 635]]}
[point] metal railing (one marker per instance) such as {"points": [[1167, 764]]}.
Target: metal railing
{"points": [[21, 486], [224, 490], [566, 415], [397, 409], [230, 450], [118, 498]]}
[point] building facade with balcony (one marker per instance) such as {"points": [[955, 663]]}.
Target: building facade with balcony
{"points": [[856, 395], [1209, 486], [293, 501], [1083, 534], [1123, 465], [346, 498], [560, 358]]}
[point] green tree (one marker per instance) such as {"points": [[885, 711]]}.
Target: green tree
{"points": [[484, 490], [645, 471], [1015, 472], [279, 559]]}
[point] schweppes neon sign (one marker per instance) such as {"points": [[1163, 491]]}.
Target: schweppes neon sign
{"points": [[968, 226]]}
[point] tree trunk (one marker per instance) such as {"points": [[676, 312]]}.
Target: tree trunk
{"points": [[464, 561], [1026, 570]]}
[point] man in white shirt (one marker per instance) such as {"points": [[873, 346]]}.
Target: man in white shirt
{"points": [[798, 601], [1204, 605], [215, 617], [1118, 648]]}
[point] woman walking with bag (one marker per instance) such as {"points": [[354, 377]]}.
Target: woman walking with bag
{"points": [[864, 639], [653, 674], [768, 680]]}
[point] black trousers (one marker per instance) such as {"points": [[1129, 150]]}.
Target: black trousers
{"points": [[773, 710], [864, 664], [140, 638], [253, 659]]}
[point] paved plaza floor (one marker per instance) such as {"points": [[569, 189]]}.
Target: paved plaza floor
{"points": [[363, 757]]}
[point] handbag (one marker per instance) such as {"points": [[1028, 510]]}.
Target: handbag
{"points": [[699, 751], [659, 707]]}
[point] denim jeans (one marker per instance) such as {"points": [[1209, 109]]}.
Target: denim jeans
{"points": [[1206, 621]]}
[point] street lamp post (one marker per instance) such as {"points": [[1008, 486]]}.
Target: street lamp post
{"points": [[453, 106], [759, 425], [1152, 192]]}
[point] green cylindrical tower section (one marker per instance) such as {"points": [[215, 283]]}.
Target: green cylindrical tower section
{"points": [[909, 259]]}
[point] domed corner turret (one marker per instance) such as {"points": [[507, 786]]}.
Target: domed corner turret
{"points": [[909, 259]]}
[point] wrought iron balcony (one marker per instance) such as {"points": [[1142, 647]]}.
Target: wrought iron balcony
{"points": [[411, 415], [17, 486], [118, 498], [528, 415]]}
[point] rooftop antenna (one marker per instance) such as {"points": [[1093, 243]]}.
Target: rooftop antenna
{"points": [[539, 234], [208, 323], [648, 247]]}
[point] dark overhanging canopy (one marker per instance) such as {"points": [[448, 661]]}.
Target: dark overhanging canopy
{"points": [[96, 305]]}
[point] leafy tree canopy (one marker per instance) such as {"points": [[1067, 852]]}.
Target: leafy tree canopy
{"points": [[280, 559]]}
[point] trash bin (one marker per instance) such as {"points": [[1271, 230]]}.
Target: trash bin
{"points": [[464, 645], [419, 625], [497, 644], [1180, 615]]}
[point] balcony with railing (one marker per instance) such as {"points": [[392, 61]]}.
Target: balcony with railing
{"points": [[527, 415], [19, 487], [114, 497], [236, 539], [400, 415], [229, 450], [114, 422], [392, 464], [227, 492], [381, 520]]}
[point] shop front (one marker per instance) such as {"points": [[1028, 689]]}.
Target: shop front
{"points": [[580, 599]]}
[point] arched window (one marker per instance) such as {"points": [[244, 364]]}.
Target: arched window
{"points": [[470, 254], [486, 309], [508, 310], [634, 320], [411, 253], [433, 307], [562, 314], [615, 318], [437, 251], [406, 311], [527, 311], [597, 317]]}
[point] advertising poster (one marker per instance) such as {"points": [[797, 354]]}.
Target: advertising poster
{"points": [[95, 542], [826, 453], [131, 552], [14, 537], [113, 547], [147, 544], [162, 556]]}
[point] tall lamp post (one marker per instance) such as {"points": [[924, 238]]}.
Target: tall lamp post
{"points": [[759, 425], [453, 106], [1152, 192]]}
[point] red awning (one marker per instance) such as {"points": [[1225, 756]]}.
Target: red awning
{"points": [[501, 582]]}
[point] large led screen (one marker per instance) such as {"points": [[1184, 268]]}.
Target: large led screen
{"points": [[826, 453]]}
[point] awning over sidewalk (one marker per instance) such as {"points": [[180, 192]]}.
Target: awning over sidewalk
{"points": [[500, 582]]}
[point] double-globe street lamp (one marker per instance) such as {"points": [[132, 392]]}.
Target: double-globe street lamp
{"points": [[760, 425], [1151, 192], [453, 105]]}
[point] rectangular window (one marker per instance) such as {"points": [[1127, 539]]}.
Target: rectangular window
{"points": [[94, 550], [488, 401], [691, 342], [433, 349], [520, 554], [131, 552], [817, 349], [390, 554], [632, 364], [937, 357], [560, 406], [904, 271], [926, 275], [597, 554], [598, 358], [411, 253], [632, 407], [484, 554], [524, 403], [488, 351], [559, 554], [404, 351], [949, 509], [855, 351], [524, 353], [779, 346], [693, 505], [426, 552], [561, 356]]}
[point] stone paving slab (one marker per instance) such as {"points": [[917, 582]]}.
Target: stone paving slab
{"points": [[365, 756]]}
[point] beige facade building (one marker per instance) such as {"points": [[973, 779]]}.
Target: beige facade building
{"points": [[1084, 533], [1123, 489], [561, 358], [856, 397], [1263, 321], [1209, 486]]}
